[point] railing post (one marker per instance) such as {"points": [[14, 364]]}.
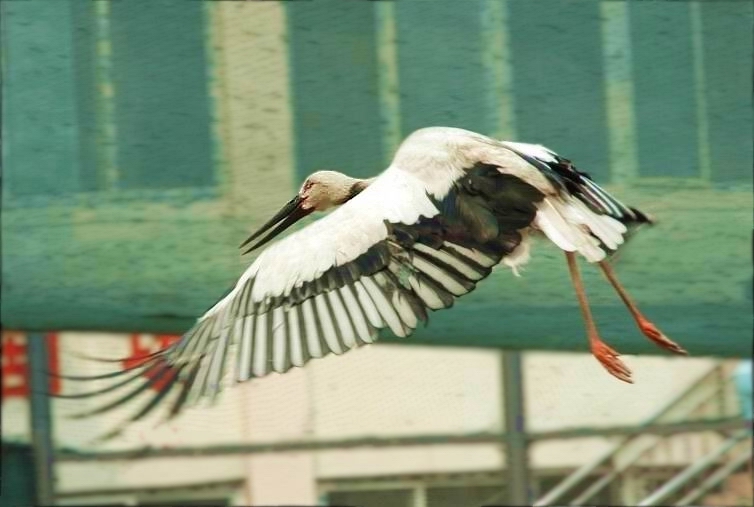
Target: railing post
{"points": [[516, 442], [41, 422]]}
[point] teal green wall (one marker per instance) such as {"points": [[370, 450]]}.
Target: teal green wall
{"points": [[53, 116], [726, 31], [440, 69], [40, 128], [18, 475], [559, 80], [126, 192], [162, 107], [663, 63], [83, 58], [335, 97]]}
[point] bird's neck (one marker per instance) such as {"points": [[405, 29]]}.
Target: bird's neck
{"points": [[358, 186]]}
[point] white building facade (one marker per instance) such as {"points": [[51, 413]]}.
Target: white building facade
{"points": [[377, 392]]}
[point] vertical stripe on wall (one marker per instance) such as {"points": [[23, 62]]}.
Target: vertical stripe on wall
{"points": [[389, 81], [336, 101], [104, 97], [558, 80], [727, 55], [700, 96], [441, 65], [619, 91], [664, 87], [215, 70], [496, 57]]}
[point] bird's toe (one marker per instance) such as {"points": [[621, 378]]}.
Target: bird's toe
{"points": [[608, 358], [650, 331]]}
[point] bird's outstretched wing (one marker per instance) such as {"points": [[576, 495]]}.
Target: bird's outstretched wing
{"points": [[579, 188], [379, 261], [562, 173]]}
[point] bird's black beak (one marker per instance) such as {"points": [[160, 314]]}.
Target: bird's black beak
{"points": [[291, 213]]}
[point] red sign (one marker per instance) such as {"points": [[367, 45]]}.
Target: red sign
{"points": [[16, 367], [143, 345]]}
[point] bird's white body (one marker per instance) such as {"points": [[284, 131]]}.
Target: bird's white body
{"points": [[425, 167], [451, 205], [400, 194]]}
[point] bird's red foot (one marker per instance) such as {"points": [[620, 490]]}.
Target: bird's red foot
{"points": [[654, 334], [609, 360]]}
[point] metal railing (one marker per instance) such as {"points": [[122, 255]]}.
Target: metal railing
{"points": [[694, 470], [717, 477], [708, 394]]}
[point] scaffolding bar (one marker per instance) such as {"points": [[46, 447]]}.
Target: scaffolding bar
{"points": [[729, 424]]}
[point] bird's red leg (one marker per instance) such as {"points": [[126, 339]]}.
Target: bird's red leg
{"points": [[604, 354], [645, 326]]}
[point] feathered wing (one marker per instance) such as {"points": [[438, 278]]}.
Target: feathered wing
{"points": [[580, 203], [373, 263], [561, 172]]}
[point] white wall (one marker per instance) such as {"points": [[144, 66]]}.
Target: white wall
{"points": [[383, 390]]}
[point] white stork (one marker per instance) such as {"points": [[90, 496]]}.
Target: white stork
{"points": [[452, 205]]}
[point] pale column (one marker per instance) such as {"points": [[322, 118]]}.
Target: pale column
{"points": [[388, 84], [251, 89], [250, 85], [619, 91], [496, 55], [282, 479], [700, 91]]}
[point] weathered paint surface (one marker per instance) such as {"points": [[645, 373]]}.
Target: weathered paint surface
{"points": [[284, 89], [156, 267]]}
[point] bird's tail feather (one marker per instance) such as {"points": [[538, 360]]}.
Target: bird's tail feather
{"points": [[575, 227]]}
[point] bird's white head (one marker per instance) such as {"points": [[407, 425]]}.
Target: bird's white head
{"points": [[320, 191], [324, 189]]}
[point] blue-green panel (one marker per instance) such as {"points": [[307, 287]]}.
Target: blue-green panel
{"points": [[442, 80], [558, 78], [18, 480], [84, 60], [119, 265], [162, 104], [40, 132], [664, 88], [334, 79], [727, 42]]}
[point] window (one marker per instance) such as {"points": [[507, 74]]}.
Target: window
{"points": [[467, 495], [483, 489], [213, 502], [372, 498], [218, 494]]}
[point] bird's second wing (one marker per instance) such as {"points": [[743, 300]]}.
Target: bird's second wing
{"points": [[379, 261], [610, 222], [561, 172]]}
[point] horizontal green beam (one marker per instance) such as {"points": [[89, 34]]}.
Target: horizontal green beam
{"points": [[154, 266]]}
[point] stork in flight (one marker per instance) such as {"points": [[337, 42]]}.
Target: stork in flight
{"points": [[452, 205]]}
